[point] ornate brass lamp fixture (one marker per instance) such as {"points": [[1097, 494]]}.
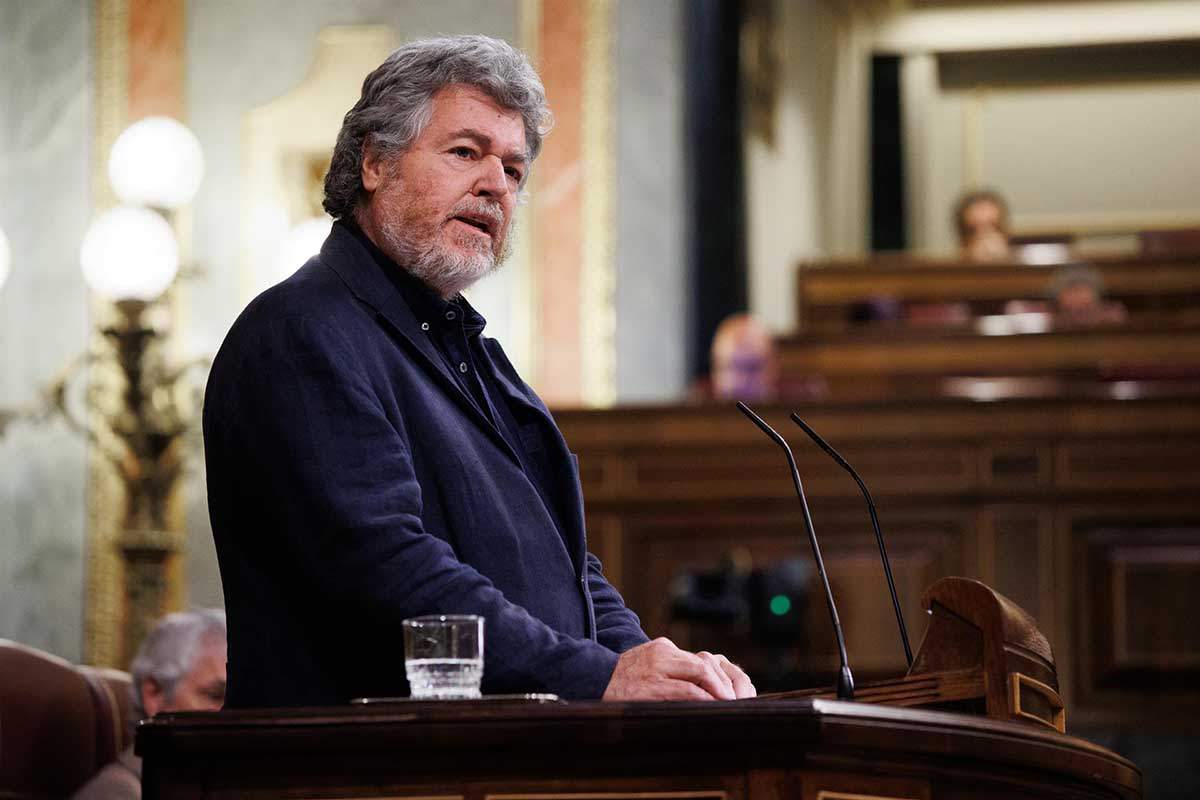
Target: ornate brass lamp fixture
{"points": [[138, 409]]}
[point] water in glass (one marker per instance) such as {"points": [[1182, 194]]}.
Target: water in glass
{"points": [[444, 678]]}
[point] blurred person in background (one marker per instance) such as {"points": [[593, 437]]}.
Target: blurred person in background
{"points": [[744, 365], [180, 666], [981, 220], [1077, 299]]}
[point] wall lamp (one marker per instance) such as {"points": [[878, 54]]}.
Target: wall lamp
{"points": [[138, 408]]}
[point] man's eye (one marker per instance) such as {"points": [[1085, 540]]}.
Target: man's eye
{"points": [[513, 173], [462, 152]]}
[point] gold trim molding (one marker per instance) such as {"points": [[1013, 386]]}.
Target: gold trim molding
{"points": [[1105, 222], [394, 797], [524, 345], [715, 794], [103, 599], [597, 312]]}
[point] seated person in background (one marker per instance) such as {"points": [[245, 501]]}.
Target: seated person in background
{"points": [[179, 667], [744, 366], [1077, 298], [981, 219]]}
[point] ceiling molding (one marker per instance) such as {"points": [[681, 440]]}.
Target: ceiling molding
{"points": [[1032, 25]]}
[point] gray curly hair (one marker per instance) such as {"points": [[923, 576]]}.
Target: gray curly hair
{"points": [[169, 650], [395, 105]]}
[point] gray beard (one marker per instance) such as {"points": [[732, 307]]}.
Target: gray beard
{"points": [[442, 269]]}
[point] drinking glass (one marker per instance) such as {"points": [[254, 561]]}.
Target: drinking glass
{"points": [[443, 656]]}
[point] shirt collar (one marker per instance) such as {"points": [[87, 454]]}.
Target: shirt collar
{"points": [[427, 306]]}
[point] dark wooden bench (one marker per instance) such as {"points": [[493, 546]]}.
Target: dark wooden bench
{"points": [[832, 296]]}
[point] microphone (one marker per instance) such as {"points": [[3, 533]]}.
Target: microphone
{"points": [[845, 682], [887, 564]]}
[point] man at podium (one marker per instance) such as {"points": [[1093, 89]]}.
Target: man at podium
{"points": [[372, 456]]}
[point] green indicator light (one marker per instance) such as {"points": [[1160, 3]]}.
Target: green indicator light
{"points": [[780, 605]]}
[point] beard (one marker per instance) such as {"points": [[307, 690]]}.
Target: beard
{"points": [[447, 260]]}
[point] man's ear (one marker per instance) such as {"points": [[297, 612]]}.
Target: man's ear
{"points": [[374, 168], [153, 697]]}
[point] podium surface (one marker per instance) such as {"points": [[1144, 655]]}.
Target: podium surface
{"points": [[807, 749]]}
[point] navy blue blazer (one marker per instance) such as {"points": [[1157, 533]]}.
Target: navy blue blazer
{"points": [[353, 483]]}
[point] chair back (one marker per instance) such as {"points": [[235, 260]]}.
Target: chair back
{"points": [[59, 723]]}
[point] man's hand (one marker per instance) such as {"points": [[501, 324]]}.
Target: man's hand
{"points": [[659, 670]]}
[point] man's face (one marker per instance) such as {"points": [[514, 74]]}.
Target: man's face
{"points": [[202, 688], [442, 209]]}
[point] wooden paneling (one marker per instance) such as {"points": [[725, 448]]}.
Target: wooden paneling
{"points": [[842, 786], [1020, 494], [1017, 464], [923, 547], [1138, 590], [700, 472], [1098, 351], [1027, 581], [1127, 464]]}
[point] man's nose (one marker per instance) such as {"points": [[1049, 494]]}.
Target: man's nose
{"points": [[491, 181]]}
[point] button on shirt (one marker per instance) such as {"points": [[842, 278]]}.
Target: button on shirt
{"points": [[454, 329]]}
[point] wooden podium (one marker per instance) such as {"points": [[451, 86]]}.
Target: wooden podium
{"points": [[747, 750], [981, 654]]}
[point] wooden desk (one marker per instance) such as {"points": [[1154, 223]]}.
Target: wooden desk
{"points": [[748, 750], [826, 292], [907, 362]]}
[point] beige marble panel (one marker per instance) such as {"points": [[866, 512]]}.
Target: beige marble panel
{"points": [[44, 209]]}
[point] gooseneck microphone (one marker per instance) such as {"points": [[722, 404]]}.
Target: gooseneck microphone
{"points": [[887, 564], [845, 682]]}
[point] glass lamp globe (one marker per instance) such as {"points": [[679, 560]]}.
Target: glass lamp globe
{"points": [[129, 253], [302, 242], [5, 258], [156, 162]]}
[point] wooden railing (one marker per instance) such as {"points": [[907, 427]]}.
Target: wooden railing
{"points": [[900, 362], [830, 294]]}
